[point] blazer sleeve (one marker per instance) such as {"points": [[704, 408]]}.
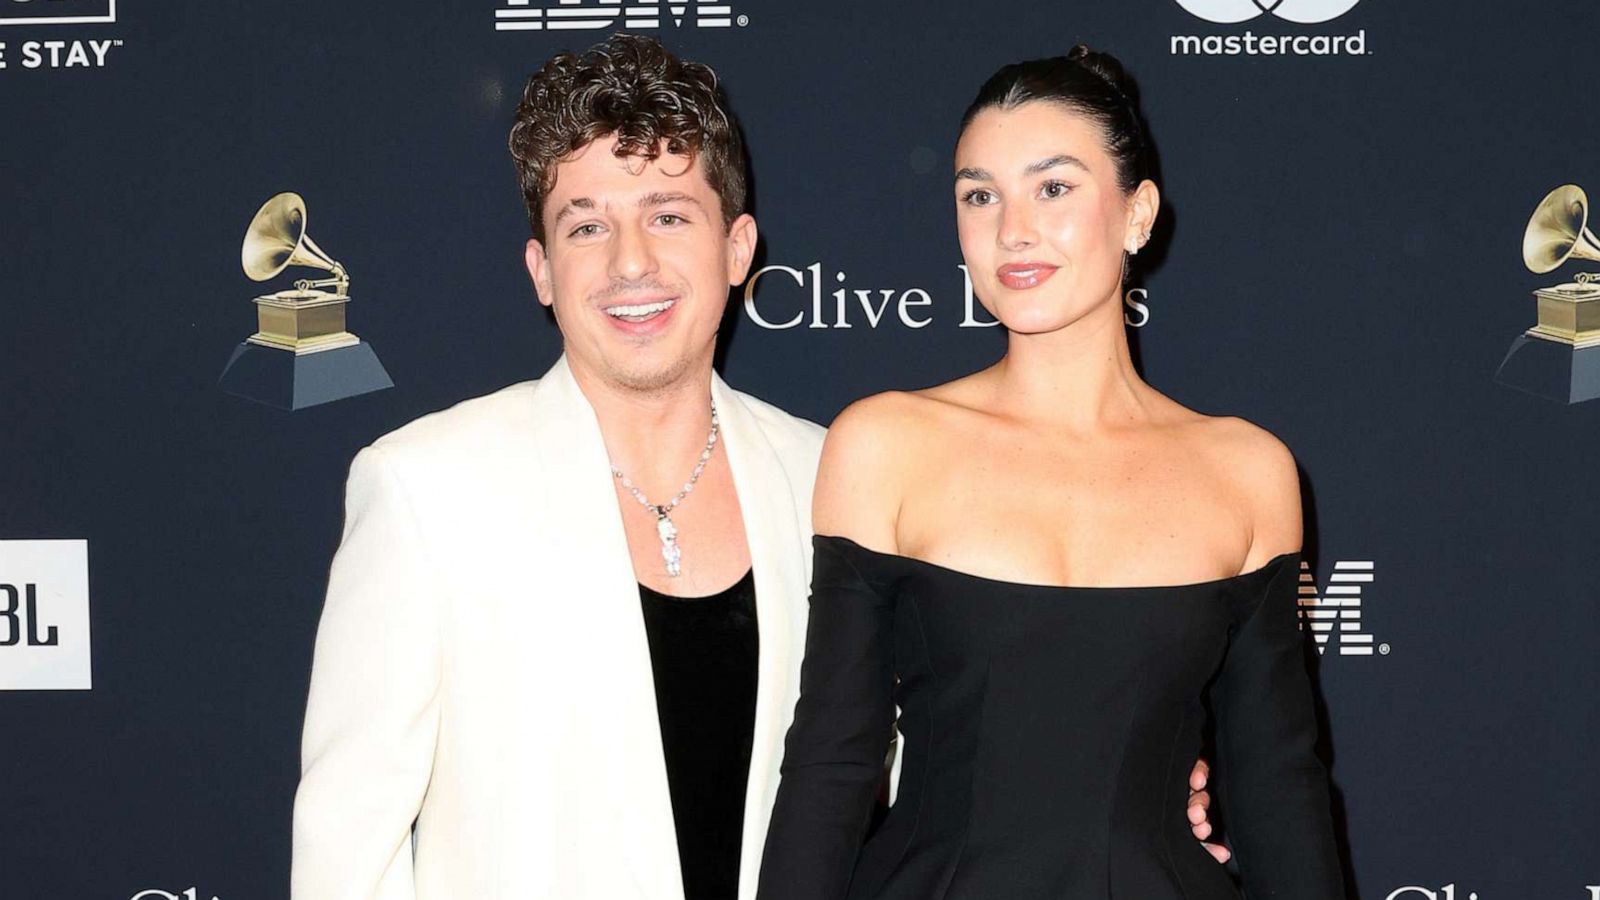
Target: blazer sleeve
{"points": [[834, 754], [373, 712], [1273, 786]]}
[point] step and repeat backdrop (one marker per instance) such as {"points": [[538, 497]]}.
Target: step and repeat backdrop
{"points": [[1375, 243]]}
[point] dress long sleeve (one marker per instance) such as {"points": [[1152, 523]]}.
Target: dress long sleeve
{"points": [[1273, 787], [834, 754]]}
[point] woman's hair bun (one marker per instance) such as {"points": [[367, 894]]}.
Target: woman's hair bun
{"points": [[1107, 69]]}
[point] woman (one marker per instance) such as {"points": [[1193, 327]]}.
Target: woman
{"points": [[1049, 566]]}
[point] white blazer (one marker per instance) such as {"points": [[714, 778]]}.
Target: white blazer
{"points": [[482, 673]]}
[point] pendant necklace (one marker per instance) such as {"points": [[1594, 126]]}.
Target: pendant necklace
{"points": [[668, 532]]}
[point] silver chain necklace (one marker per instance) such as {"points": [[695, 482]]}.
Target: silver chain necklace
{"points": [[668, 532]]}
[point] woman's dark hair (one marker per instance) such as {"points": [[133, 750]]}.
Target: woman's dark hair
{"points": [[632, 87], [1090, 83]]}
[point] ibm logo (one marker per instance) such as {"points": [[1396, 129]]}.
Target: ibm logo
{"points": [[1337, 609], [562, 15], [57, 12]]}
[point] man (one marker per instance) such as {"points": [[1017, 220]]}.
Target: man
{"points": [[507, 701]]}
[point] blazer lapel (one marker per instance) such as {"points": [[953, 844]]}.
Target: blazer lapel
{"points": [[587, 568], [775, 530]]}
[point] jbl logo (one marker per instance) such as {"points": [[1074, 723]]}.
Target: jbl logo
{"points": [[44, 615], [19, 610]]}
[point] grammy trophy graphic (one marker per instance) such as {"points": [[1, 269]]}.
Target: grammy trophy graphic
{"points": [[301, 354], [1559, 357]]}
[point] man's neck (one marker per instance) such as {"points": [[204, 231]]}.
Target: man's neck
{"points": [[655, 436]]}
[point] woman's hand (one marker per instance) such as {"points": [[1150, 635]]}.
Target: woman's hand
{"points": [[1199, 805]]}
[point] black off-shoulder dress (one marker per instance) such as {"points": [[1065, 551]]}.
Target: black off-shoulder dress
{"points": [[1048, 736]]}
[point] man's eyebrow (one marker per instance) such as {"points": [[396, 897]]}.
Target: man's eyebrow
{"points": [[972, 174], [1060, 159], [660, 198], [573, 204]]}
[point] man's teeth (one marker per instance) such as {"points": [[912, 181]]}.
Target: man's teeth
{"points": [[642, 309]]}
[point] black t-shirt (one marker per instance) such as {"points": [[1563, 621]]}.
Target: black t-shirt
{"points": [[704, 652]]}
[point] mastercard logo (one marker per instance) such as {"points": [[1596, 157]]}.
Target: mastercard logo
{"points": [[1304, 12]]}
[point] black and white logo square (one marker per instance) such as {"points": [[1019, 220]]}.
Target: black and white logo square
{"points": [[57, 12], [44, 615]]}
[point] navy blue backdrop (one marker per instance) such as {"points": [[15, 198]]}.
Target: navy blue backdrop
{"points": [[1338, 261]]}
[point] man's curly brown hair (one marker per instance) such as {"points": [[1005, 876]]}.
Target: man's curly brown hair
{"points": [[634, 88]]}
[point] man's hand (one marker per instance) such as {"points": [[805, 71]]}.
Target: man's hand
{"points": [[1199, 803]]}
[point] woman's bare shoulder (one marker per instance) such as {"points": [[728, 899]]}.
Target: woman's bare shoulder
{"points": [[1262, 470], [873, 424], [969, 392], [869, 453], [869, 426], [1255, 454]]}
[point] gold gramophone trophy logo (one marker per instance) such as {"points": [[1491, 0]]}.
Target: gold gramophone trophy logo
{"points": [[1559, 357], [301, 354]]}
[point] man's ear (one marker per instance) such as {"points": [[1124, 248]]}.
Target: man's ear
{"points": [[742, 238], [539, 270]]}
